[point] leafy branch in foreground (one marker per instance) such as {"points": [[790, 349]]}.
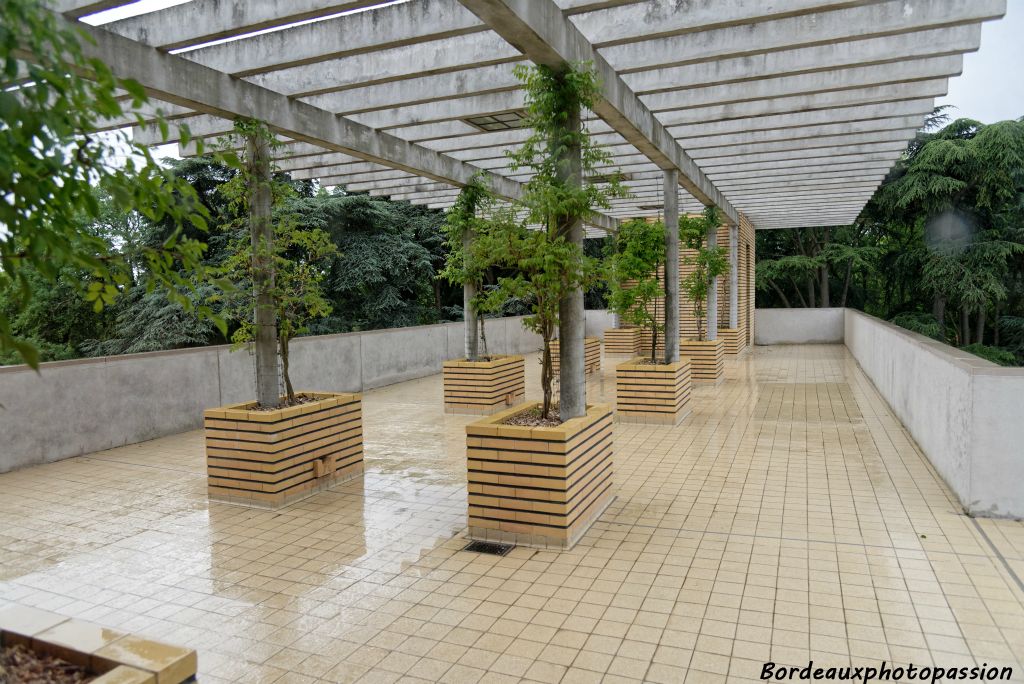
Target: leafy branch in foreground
{"points": [[51, 161]]}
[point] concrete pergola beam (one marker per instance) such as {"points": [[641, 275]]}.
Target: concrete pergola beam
{"points": [[805, 29], [203, 21], [179, 81], [542, 33]]}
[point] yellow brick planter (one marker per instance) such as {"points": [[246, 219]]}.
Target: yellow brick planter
{"points": [[591, 355], [483, 387], [652, 393], [735, 341], [269, 459], [707, 359], [112, 657], [539, 486], [622, 341]]}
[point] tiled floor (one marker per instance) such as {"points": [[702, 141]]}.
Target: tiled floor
{"points": [[789, 518]]}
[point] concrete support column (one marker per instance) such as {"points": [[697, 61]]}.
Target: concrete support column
{"points": [[712, 305], [261, 234], [468, 311], [670, 191], [572, 318], [734, 276]]}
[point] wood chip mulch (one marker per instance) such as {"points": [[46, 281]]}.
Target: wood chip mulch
{"points": [[299, 400], [19, 665], [532, 418]]}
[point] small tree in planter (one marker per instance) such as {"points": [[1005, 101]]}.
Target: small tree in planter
{"points": [[479, 383], [638, 252], [708, 357], [560, 154], [708, 262], [296, 257], [276, 270], [466, 263]]}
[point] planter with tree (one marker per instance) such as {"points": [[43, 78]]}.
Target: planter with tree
{"points": [[591, 355], [647, 388], [540, 474], [480, 382], [276, 449], [705, 264]]}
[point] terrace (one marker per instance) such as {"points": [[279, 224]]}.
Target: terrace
{"points": [[837, 490], [790, 518]]}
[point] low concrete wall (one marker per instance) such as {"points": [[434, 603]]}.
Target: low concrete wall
{"points": [[76, 407], [798, 326], [965, 413]]}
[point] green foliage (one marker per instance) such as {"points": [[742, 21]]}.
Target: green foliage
{"points": [[152, 321], [921, 323], [708, 262], [638, 251], [993, 354], [50, 162], [941, 244]]}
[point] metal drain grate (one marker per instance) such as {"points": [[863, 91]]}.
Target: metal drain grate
{"points": [[492, 548]]}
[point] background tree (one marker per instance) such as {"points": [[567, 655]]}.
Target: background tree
{"points": [[638, 251], [708, 262], [938, 249], [49, 164]]}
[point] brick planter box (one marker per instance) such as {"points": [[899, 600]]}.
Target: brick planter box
{"points": [[652, 393], [622, 341], [113, 657], [541, 486], [591, 355], [735, 342], [707, 359], [483, 387], [273, 458]]}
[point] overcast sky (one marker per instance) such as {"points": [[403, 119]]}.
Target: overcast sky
{"points": [[992, 85]]}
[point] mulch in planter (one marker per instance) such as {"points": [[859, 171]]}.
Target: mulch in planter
{"points": [[18, 665], [299, 400], [531, 418]]}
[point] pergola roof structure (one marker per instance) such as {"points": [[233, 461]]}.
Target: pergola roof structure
{"points": [[790, 111]]}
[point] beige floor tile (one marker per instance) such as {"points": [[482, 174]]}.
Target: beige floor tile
{"points": [[790, 516]]}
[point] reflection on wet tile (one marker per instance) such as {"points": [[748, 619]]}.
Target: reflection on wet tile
{"points": [[790, 517]]}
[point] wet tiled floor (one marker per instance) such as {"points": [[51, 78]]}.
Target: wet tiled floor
{"points": [[789, 518]]}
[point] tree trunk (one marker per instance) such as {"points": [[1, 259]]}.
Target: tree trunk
{"points": [[261, 233], [712, 326], [846, 281], [289, 390], [483, 335], [965, 327], [939, 312], [811, 292], [995, 327], [979, 335], [469, 313], [799, 293], [782, 295], [546, 372], [823, 274]]}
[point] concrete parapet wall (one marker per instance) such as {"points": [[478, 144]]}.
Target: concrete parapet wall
{"points": [[966, 413], [798, 326], [76, 407]]}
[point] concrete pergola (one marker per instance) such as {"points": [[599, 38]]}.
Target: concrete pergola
{"points": [[783, 114]]}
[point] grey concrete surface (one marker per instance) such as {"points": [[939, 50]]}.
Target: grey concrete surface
{"points": [[965, 413], [798, 326]]}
